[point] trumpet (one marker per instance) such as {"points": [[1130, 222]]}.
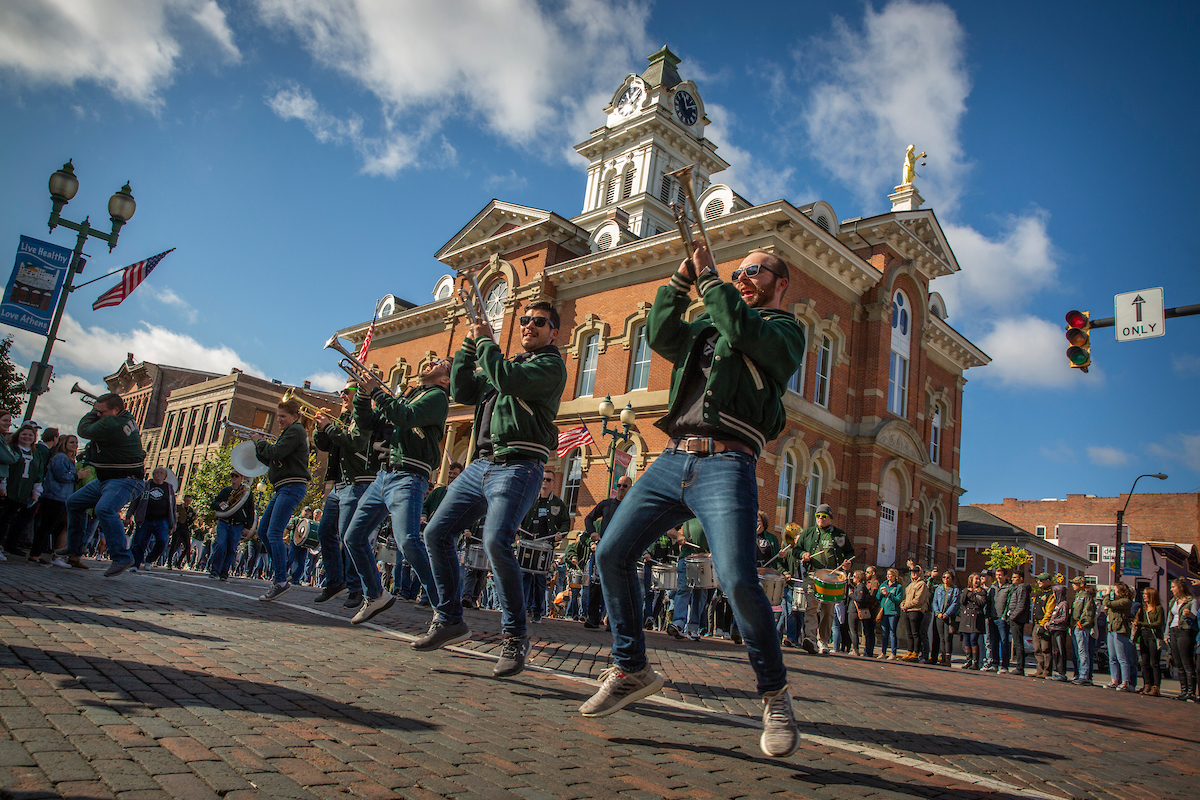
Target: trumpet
{"points": [[88, 397], [246, 432], [684, 177], [309, 410], [352, 366]]}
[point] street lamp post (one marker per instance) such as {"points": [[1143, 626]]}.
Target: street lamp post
{"points": [[63, 186], [1118, 556], [628, 416]]}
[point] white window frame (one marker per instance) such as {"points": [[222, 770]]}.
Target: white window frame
{"points": [[824, 369], [796, 382], [589, 357], [960, 559], [897, 384], [785, 494], [573, 479], [493, 306], [812, 497], [935, 436], [901, 347], [1093, 553], [1040, 530], [639, 362]]}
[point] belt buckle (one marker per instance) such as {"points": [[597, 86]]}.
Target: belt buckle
{"points": [[705, 441]]}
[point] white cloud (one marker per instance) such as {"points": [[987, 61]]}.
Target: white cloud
{"points": [[1060, 452], [998, 274], [1109, 456], [1186, 364], [98, 351], [901, 79], [58, 408], [531, 73], [328, 381], [1028, 351], [1183, 448], [168, 297], [131, 48], [758, 182]]}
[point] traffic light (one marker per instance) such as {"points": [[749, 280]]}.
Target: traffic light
{"points": [[1080, 351]]}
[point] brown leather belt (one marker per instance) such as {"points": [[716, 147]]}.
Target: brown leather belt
{"points": [[707, 446]]}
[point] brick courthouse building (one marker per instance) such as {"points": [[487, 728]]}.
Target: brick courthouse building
{"points": [[875, 412]]}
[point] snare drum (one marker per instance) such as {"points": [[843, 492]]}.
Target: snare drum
{"points": [[385, 551], [700, 572], [577, 578], [773, 583], [306, 535], [829, 585], [664, 577], [535, 557], [799, 595], [475, 557]]}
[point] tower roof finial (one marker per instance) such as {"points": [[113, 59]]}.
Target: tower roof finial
{"points": [[661, 71]]}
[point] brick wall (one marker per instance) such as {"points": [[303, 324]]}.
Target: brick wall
{"points": [[1150, 517]]}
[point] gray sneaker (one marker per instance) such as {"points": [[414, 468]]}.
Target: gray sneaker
{"points": [[275, 592], [442, 634], [116, 568], [618, 689], [372, 606], [780, 737], [512, 656]]}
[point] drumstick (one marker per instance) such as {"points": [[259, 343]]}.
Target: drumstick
{"points": [[777, 555], [693, 544]]}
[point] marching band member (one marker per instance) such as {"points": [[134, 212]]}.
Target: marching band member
{"points": [[730, 368], [515, 402], [115, 452], [823, 546], [229, 528], [547, 517], [597, 521], [287, 462], [418, 422], [349, 471]]}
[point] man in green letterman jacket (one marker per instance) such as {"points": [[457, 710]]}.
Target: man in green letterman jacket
{"points": [[115, 451], [418, 420], [516, 401], [730, 368]]}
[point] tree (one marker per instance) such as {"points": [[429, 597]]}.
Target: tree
{"points": [[211, 477], [1009, 558], [12, 382]]}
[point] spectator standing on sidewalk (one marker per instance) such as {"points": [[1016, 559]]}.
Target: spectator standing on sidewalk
{"points": [[915, 606], [987, 626], [1148, 628], [1181, 633], [865, 607], [890, 596], [945, 610], [1119, 607], [1058, 626], [1083, 621], [972, 619], [1043, 607], [1018, 615]]}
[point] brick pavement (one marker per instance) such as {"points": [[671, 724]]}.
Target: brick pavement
{"points": [[172, 685]]}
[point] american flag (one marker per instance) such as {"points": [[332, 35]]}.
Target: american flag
{"points": [[131, 278], [366, 345], [576, 437]]}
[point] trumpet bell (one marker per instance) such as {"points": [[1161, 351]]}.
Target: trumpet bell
{"points": [[244, 460]]}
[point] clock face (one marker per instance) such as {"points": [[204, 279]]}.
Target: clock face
{"points": [[686, 108], [629, 100]]}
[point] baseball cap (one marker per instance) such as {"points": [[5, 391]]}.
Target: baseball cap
{"points": [[1043, 576]]}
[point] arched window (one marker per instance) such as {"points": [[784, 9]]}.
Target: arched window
{"points": [[898, 364], [935, 435], [786, 495], [587, 365], [935, 527], [813, 498], [664, 191], [627, 183], [796, 382], [824, 367], [493, 305], [574, 475], [610, 192], [639, 366]]}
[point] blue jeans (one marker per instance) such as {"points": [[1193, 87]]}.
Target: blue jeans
{"points": [[297, 561], [340, 505], [721, 491], [888, 626], [108, 498], [154, 533], [535, 593], [502, 495], [791, 623], [400, 494], [1120, 658], [224, 548], [688, 602], [274, 520], [1083, 653], [991, 641], [1004, 645]]}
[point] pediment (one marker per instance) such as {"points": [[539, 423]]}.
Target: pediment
{"points": [[496, 218], [901, 438]]}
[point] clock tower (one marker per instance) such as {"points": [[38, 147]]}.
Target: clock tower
{"points": [[655, 126]]}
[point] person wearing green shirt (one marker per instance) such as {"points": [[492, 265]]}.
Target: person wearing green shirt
{"points": [[823, 546], [548, 517]]}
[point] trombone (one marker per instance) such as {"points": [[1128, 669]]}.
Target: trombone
{"points": [[245, 431], [684, 176], [356, 369], [88, 397], [310, 410]]}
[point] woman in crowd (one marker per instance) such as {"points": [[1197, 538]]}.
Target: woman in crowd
{"points": [[1057, 625], [1119, 606], [1148, 634], [890, 596], [863, 607], [945, 609], [57, 486], [915, 606], [1181, 635], [972, 619], [22, 488]]}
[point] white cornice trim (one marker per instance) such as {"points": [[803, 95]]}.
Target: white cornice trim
{"points": [[952, 345]]}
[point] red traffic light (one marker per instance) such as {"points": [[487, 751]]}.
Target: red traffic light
{"points": [[1080, 351], [1077, 319]]}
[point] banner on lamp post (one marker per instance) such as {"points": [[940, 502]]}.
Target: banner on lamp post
{"points": [[35, 285], [621, 462], [1133, 559]]}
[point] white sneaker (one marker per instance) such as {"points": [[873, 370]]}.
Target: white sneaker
{"points": [[3, 557], [780, 737], [372, 606], [618, 689], [58, 562]]}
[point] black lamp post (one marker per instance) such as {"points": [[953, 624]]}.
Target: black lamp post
{"points": [[628, 417], [63, 186], [1118, 558]]}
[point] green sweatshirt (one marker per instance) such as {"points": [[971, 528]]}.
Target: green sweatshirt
{"points": [[418, 423], [115, 449]]}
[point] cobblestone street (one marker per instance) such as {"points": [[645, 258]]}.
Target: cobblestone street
{"points": [[174, 685]]}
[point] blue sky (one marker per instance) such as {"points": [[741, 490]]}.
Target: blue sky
{"points": [[308, 157]]}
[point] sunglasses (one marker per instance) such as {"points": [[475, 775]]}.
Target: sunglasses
{"points": [[540, 322], [547, 480], [752, 269], [822, 516]]}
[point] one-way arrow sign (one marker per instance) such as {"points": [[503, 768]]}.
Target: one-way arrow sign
{"points": [[1139, 315]]}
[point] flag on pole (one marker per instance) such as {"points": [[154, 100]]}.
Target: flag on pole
{"points": [[131, 278], [576, 437], [366, 345]]}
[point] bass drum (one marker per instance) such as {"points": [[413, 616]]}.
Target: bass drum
{"points": [[307, 535]]}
